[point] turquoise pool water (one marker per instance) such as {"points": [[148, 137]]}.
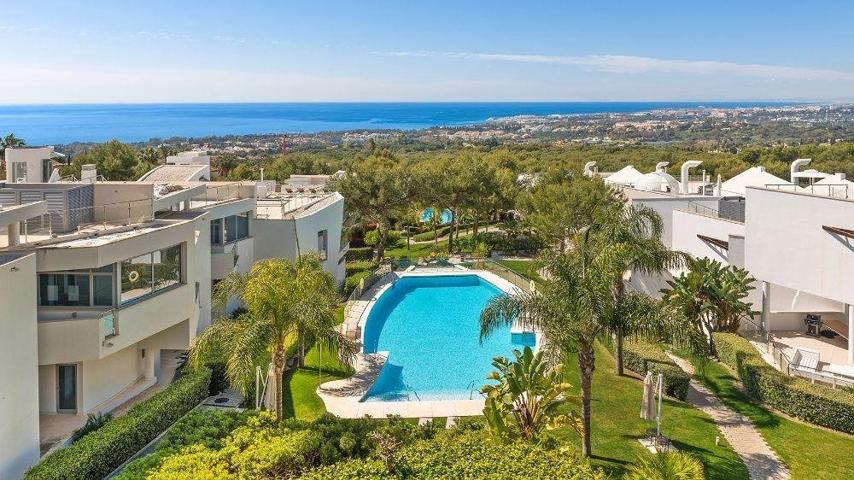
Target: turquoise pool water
{"points": [[430, 326]]}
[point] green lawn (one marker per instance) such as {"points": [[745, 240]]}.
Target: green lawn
{"points": [[617, 425], [300, 399], [809, 452], [526, 268]]}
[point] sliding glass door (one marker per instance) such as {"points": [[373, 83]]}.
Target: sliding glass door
{"points": [[66, 388]]}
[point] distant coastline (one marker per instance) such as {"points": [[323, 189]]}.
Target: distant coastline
{"points": [[64, 124]]}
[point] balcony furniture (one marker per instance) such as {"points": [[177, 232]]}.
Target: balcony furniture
{"points": [[836, 327], [813, 323]]}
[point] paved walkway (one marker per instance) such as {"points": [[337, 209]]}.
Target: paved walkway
{"points": [[762, 463]]}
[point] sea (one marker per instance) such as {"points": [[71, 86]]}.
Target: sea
{"points": [[63, 124]]}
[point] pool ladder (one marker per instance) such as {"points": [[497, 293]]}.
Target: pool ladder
{"points": [[416, 395]]}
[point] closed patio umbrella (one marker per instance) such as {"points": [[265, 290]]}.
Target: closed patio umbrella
{"points": [[648, 401]]}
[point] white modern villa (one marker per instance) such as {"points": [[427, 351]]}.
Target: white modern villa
{"points": [[103, 283], [795, 236]]}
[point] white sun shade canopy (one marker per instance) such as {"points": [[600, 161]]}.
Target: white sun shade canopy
{"points": [[627, 175], [752, 177]]}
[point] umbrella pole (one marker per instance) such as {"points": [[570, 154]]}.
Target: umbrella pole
{"points": [[658, 416]]}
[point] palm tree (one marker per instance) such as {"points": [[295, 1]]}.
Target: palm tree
{"points": [[630, 238], [710, 297], [569, 309], [9, 141], [528, 393], [284, 302]]}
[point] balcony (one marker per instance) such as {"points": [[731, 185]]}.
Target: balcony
{"points": [[69, 337]]}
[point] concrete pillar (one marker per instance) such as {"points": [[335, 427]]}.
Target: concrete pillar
{"points": [[850, 335], [150, 362], [766, 305], [13, 231]]}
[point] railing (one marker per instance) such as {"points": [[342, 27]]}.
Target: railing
{"points": [[833, 190], [76, 219], [525, 284], [352, 303], [109, 324], [784, 363]]}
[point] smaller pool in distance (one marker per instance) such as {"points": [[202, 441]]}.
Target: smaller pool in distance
{"points": [[430, 325]]}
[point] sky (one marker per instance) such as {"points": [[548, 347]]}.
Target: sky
{"points": [[370, 50]]}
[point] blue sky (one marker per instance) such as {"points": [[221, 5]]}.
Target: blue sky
{"points": [[180, 51]]}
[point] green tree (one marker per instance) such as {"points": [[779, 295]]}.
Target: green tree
{"points": [[9, 141], [114, 160], [558, 206], [526, 399], [570, 310], [710, 297], [630, 239], [376, 190], [284, 302]]}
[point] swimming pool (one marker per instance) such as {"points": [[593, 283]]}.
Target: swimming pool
{"points": [[430, 327]]}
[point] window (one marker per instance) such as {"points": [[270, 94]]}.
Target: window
{"points": [[236, 227], [64, 289], [323, 244], [19, 172], [151, 272], [216, 232], [167, 267], [136, 277]]}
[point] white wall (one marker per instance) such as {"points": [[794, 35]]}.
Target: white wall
{"points": [[101, 379], [19, 395], [664, 205], [686, 227], [32, 157], [786, 245]]}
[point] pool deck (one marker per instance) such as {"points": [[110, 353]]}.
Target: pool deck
{"points": [[342, 397]]}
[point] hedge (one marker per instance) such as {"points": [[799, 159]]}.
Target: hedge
{"points": [[352, 282], [793, 396], [430, 235], [360, 266], [360, 253], [102, 451], [641, 357]]}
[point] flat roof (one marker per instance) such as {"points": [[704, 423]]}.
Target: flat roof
{"points": [[282, 206]]}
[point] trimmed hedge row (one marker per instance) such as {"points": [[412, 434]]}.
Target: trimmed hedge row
{"points": [[429, 235], [102, 451], [360, 266], [360, 253], [641, 357], [352, 281], [793, 396]]}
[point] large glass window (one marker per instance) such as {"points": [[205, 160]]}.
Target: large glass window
{"points": [[323, 244], [167, 267], [148, 273], [236, 227], [216, 232], [102, 290], [136, 277], [64, 289]]}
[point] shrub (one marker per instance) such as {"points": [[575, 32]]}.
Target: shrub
{"points": [[791, 395], [467, 454], [666, 466], [99, 453], [360, 266], [362, 253], [642, 357], [430, 235], [352, 282], [94, 421], [206, 427], [260, 448], [392, 237]]}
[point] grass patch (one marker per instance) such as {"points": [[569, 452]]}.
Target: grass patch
{"points": [[526, 268], [300, 399], [617, 425], [809, 452]]}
